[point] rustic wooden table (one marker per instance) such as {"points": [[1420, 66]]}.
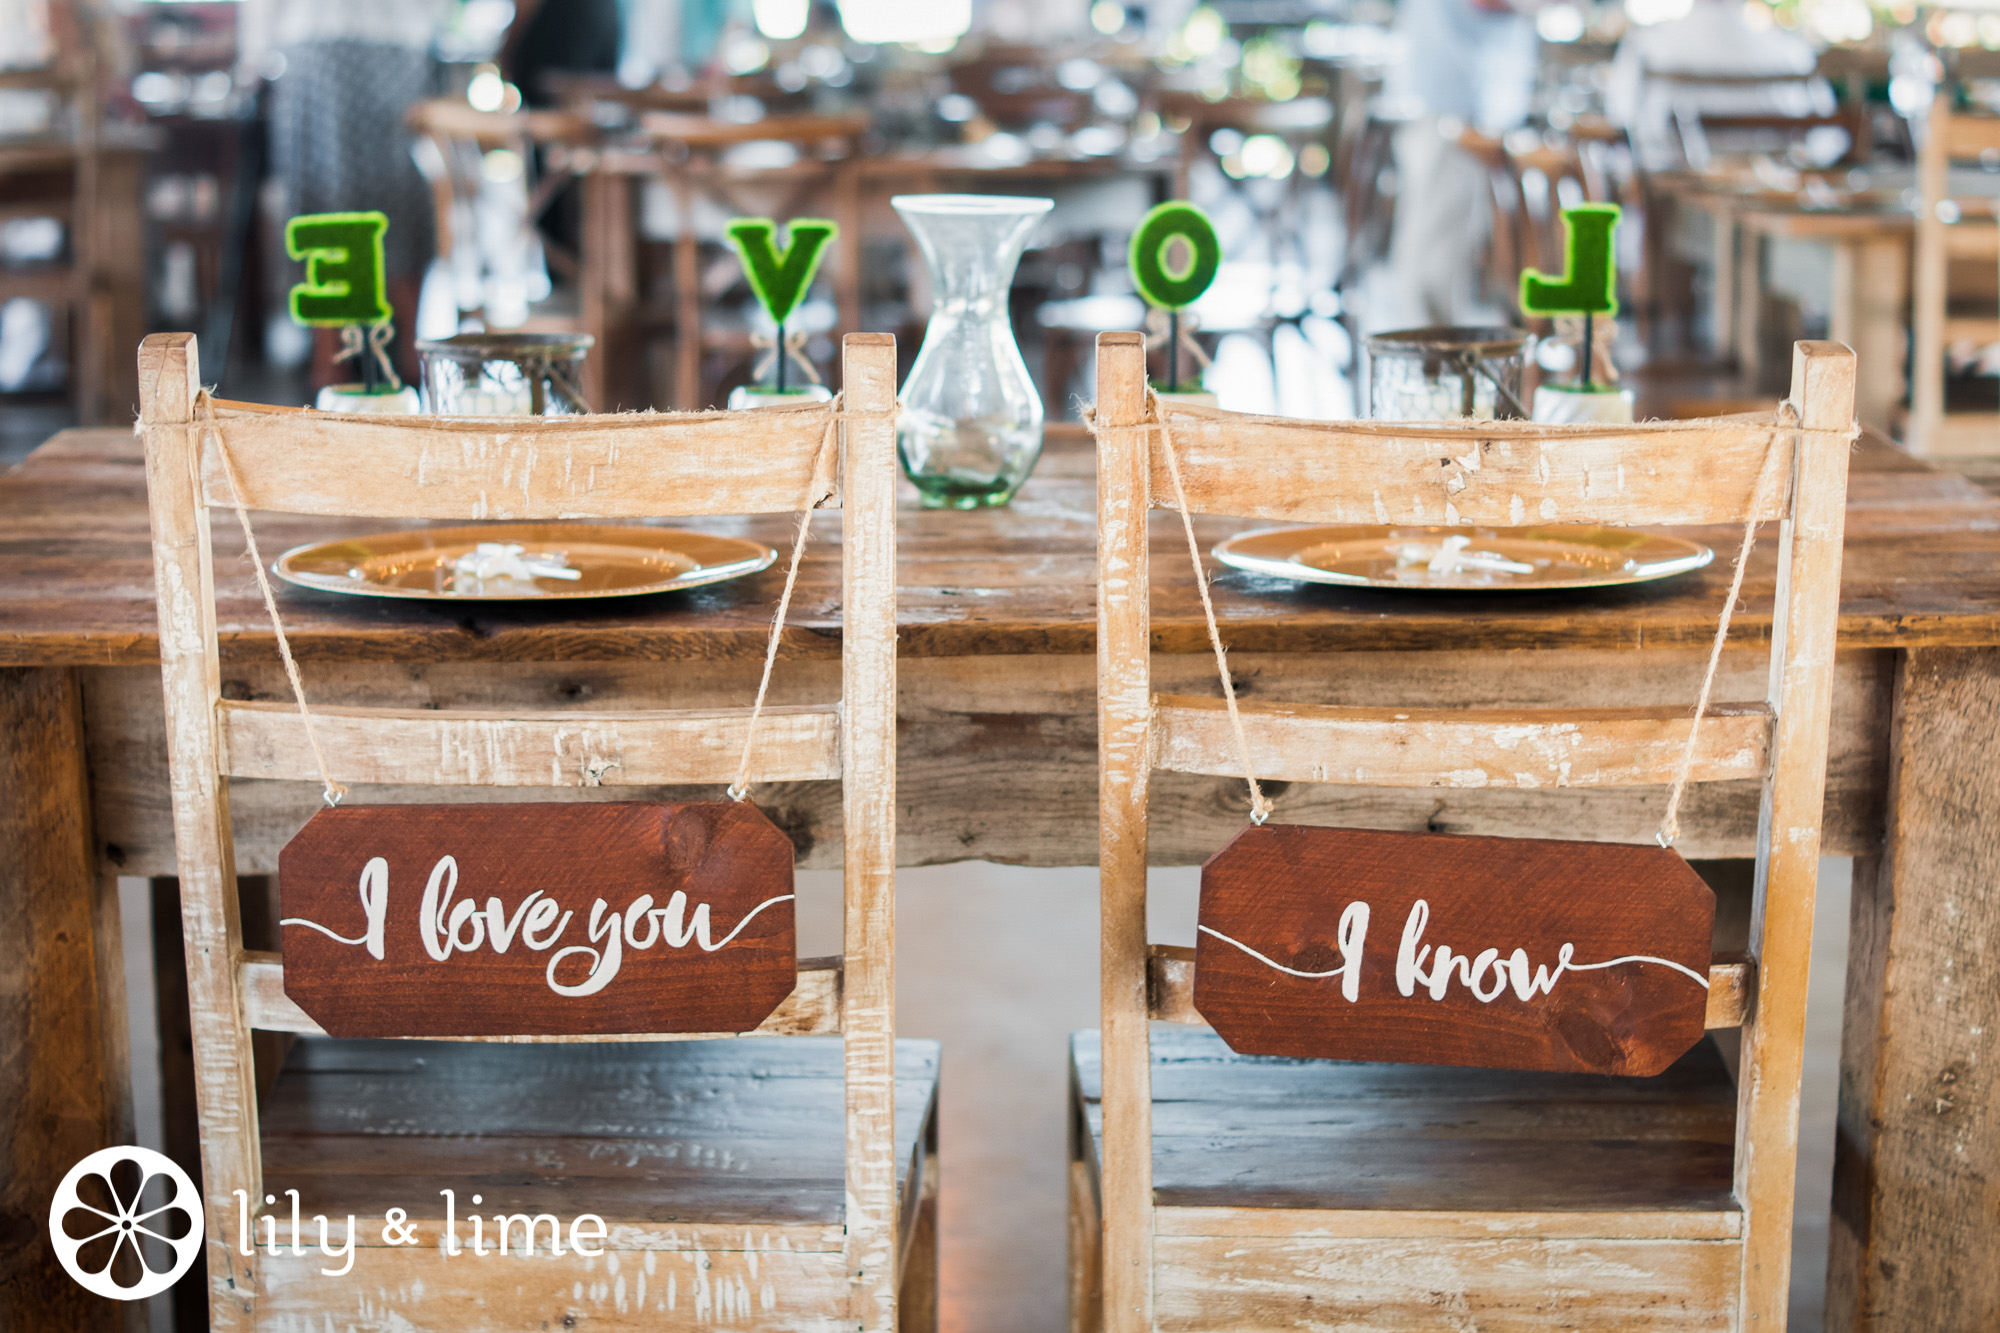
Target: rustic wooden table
{"points": [[998, 762]]}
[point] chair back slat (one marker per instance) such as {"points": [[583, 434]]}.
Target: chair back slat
{"points": [[1457, 747], [637, 465], [421, 747], [1501, 474]]}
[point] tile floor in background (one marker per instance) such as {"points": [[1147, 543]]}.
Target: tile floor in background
{"points": [[1000, 964]]}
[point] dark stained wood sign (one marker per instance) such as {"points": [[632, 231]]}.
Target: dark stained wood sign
{"points": [[563, 919], [1424, 948]]}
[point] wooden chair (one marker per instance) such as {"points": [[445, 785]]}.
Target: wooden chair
{"points": [[1970, 238], [741, 1185], [1241, 1193]]}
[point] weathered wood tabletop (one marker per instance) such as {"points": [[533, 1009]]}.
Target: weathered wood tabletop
{"points": [[997, 760]]}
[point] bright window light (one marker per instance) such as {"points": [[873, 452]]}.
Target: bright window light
{"points": [[781, 20], [1107, 16], [1647, 12], [925, 25], [1559, 23]]}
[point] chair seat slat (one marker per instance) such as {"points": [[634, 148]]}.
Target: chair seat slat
{"points": [[1459, 747], [421, 747], [812, 1009]]}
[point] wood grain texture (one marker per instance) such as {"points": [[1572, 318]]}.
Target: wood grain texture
{"points": [[1459, 747], [1257, 1146], [1918, 1146], [595, 749], [1801, 694], [631, 465], [717, 1166], [1124, 771], [550, 920], [211, 931], [1005, 749], [1205, 1284], [1380, 986], [1170, 988], [811, 1010], [868, 818], [1922, 567], [62, 1098], [1501, 474]]}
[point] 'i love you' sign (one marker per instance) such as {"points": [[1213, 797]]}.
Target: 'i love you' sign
{"points": [[1423, 948], [538, 919]]}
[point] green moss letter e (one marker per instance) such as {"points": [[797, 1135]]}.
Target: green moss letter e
{"points": [[343, 259], [1174, 288], [780, 280], [1590, 287]]}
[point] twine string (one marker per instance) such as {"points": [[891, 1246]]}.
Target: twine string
{"points": [[332, 790], [1260, 805], [1670, 822], [793, 349], [818, 491], [355, 344]]}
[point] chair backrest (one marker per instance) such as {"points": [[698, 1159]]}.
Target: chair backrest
{"points": [[1950, 137], [629, 466], [1486, 473]]}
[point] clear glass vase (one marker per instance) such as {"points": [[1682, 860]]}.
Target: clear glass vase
{"points": [[971, 425]]}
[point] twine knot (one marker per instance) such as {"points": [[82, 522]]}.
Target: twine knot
{"points": [[793, 349], [355, 344]]}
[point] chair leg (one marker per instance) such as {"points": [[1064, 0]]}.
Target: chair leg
{"points": [[1086, 1254], [917, 1292]]}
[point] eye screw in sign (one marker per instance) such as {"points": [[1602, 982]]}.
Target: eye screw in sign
{"points": [[126, 1223]]}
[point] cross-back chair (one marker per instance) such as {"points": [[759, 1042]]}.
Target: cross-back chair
{"points": [[1214, 1191], [774, 1184], [1962, 234]]}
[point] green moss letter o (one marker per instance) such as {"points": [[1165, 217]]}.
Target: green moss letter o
{"points": [[1167, 288]]}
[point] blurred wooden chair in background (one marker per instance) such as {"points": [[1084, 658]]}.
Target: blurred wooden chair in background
{"points": [[1957, 296]]}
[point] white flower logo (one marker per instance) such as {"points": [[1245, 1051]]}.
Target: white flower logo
{"points": [[126, 1223]]}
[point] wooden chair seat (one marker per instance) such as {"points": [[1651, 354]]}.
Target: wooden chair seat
{"points": [[1289, 1191], [717, 1166]]}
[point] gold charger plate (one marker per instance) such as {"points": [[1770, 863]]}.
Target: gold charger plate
{"points": [[1461, 559], [609, 562]]}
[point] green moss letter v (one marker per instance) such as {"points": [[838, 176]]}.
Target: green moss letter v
{"points": [[343, 258], [780, 281], [1591, 284]]}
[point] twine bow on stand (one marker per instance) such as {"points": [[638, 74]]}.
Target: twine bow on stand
{"points": [[791, 344], [357, 345], [1570, 330], [1175, 330]]}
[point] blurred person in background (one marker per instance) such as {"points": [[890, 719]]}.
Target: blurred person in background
{"points": [[559, 37], [1466, 64], [1711, 40], [350, 69]]}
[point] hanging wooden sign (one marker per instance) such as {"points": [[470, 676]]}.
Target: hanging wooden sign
{"points": [[538, 919], [1423, 948]]}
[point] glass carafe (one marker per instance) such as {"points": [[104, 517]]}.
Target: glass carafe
{"points": [[971, 424]]}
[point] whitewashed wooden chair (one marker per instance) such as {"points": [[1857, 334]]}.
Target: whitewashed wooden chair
{"points": [[1213, 1191], [1950, 231], [775, 1184]]}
